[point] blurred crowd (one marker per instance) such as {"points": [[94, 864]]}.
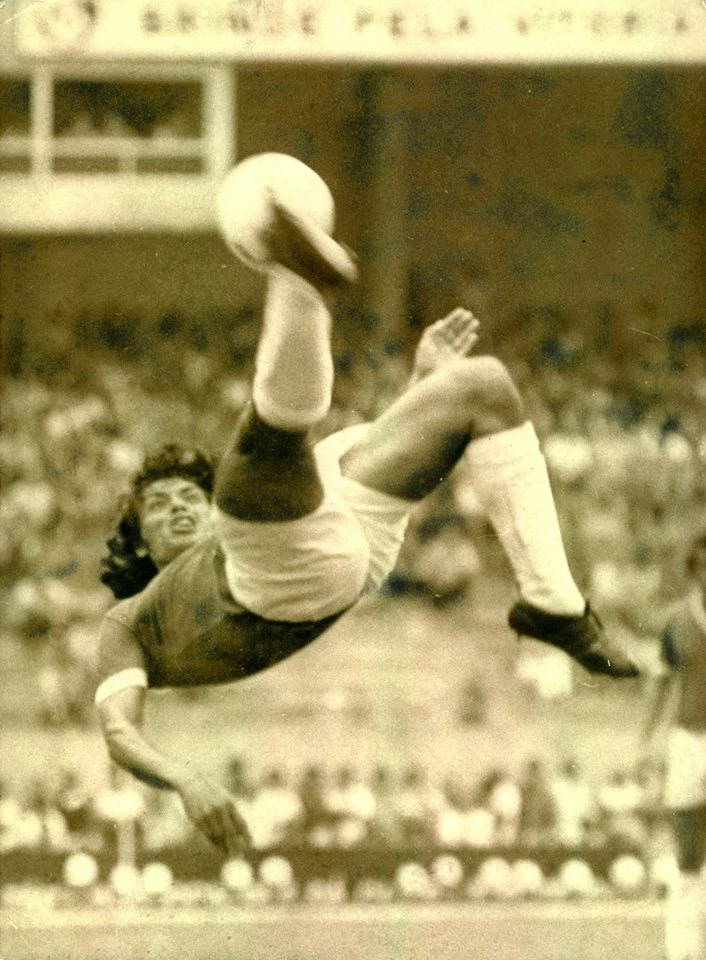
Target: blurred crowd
{"points": [[625, 445], [626, 450], [104, 109], [337, 834], [344, 808]]}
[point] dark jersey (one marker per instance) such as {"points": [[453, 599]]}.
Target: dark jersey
{"points": [[184, 628], [684, 651]]}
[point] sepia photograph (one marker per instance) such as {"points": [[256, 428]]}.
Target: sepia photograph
{"points": [[353, 479]]}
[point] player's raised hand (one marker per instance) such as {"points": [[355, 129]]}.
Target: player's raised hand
{"points": [[212, 809], [453, 336]]}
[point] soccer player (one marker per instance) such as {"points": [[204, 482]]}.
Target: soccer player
{"points": [[679, 705], [222, 575]]}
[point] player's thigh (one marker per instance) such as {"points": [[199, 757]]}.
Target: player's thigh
{"points": [[266, 474], [415, 444], [381, 518]]}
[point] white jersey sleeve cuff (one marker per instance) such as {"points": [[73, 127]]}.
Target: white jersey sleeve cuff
{"points": [[131, 677]]}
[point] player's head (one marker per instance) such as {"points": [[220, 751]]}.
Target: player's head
{"points": [[166, 511]]}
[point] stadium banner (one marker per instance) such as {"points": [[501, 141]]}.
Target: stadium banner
{"points": [[453, 32]]}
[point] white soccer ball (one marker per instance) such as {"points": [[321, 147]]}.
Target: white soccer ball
{"points": [[244, 209]]}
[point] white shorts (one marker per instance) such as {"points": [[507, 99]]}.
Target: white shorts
{"points": [[320, 564], [685, 780]]}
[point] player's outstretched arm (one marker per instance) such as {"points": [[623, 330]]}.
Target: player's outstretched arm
{"points": [[449, 338], [209, 806]]}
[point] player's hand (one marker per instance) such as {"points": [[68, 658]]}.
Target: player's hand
{"points": [[212, 809], [453, 336]]}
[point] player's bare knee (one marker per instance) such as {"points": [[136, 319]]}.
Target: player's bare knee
{"points": [[484, 385]]}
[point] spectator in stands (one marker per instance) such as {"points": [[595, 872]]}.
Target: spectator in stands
{"points": [[505, 803], [75, 802], [350, 804], [636, 608], [119, 807], [275, 813], [239, 781], [478, 822], [502, 796], [42, 826], [538, 816], [445, 559], [11, 817], [385, 828], [620, 803], [450, 822], [575, 805], [317, 826], [418, 803], [464, 820], [163, 826]]}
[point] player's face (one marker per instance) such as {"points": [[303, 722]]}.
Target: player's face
{"points": [[174, 514]]}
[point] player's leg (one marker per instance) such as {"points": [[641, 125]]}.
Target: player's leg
{"points": [[685, 913], [471, 409], [268, 473], [293, 552]]}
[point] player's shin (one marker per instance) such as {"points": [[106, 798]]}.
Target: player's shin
{"points": [[293, 364], [509, 476], [511, 481]]}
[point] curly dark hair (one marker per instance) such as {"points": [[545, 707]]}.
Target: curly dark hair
{"points": [[128, 568]]}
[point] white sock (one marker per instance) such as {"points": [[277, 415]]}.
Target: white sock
{"points": [[685, 918], [509, 476], [293, 364]]}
